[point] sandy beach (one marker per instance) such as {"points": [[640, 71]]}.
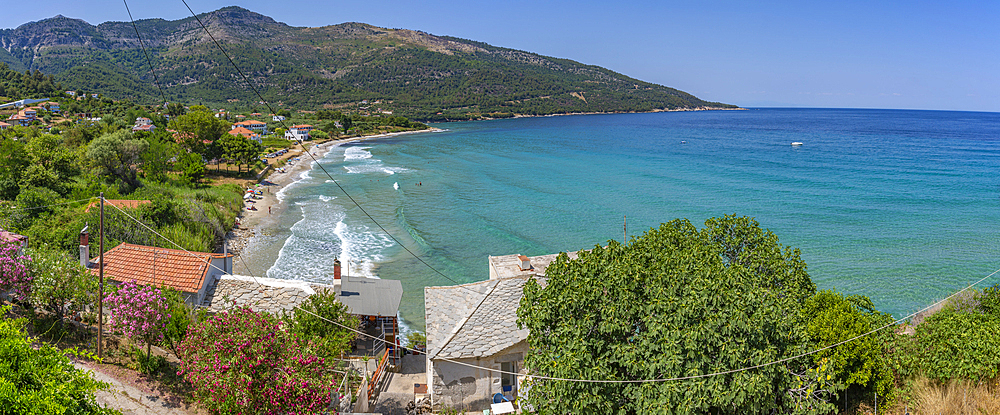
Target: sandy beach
{"points": [[251, 223]]}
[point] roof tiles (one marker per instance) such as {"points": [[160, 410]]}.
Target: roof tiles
{"points": [[474, 320], [184, 271]]}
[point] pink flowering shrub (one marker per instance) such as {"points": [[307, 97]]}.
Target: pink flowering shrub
{"points": [[139, 312], [245, 362], [14, 276]]}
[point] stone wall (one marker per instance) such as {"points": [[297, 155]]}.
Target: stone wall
{"points": [[456, 386], [259, 294]]}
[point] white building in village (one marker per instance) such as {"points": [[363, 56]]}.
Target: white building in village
{"points": [[476, 323]]}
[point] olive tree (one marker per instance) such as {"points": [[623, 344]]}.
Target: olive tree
{"points": [[118, 154], [675, 302]]}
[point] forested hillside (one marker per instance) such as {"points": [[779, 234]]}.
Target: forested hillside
{"points": [[409, 72]]}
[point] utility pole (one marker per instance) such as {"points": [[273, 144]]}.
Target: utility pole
{"points": [[100, 291]]}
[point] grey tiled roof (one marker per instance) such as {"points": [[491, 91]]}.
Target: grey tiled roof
{"points": [[473, 320], [504, 266]]}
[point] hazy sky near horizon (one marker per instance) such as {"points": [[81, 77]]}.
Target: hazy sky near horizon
{"points": [[844, 54]]}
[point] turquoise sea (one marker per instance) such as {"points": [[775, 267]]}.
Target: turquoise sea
{"points": [[902, 206]]}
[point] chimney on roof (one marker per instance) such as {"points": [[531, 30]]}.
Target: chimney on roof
{"points": [[85, 247], [524, 263], [336, 269]]}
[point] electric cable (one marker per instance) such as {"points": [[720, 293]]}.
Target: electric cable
{"points": [[6, 210], [156, 80], [318, 164], [608, 381], [370, 217]]}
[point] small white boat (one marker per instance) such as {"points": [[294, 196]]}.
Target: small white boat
{"points": [[796, 144]]}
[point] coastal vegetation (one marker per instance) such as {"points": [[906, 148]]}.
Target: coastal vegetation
{"points": [[41, 380], [349, 66], [694, 307]]}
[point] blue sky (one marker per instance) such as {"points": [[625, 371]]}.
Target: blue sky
{"points": [[847, 54]]}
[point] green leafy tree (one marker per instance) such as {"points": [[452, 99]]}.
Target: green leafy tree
{"points": [[52, 163], [192, 167], [175, 109], [196, 127], [865, 362], [36, 381], [333, 340], [319, 134], [240, 149], [118, 155], [34, 202], [674, 302], [959, 342], [14, 161], [59, 283], [156, 160]]}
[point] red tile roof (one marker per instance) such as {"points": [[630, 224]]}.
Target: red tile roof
{"points": [[158, 266], [242, 131], [124, 204], [250, 122]]}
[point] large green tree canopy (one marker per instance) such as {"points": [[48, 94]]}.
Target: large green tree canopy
{"points": [[196, 127], [674, 302]]}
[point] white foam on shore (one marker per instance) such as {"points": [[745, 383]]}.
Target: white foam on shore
{"points": [[359, 249], [358, 160], [357, 153], [280, 194], [395, 185], [326, 198], [322, 236]]}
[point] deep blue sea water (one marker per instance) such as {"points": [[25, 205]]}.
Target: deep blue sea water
{"points": [[902, 206]]}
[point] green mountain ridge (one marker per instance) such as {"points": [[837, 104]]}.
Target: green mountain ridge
{"points": [[412, 73]]}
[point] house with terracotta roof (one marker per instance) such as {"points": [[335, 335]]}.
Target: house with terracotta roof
{"points": [[241, 131], [254, 125], [52, 106], [21, 119], [191, 273], [4, 126], [143, 124]]}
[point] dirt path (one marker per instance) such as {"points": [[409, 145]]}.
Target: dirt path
{"points": [[132, 400]]}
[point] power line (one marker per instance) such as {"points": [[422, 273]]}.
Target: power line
{"points": [[673, 379], [156, 81], [320, 165], [247, 80], [45, 206]]}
